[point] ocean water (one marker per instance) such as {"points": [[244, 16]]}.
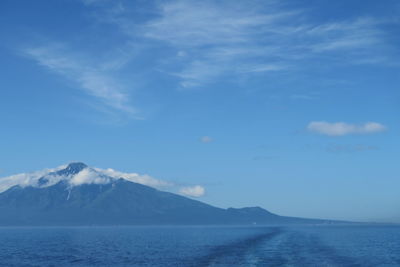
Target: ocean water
{"points": [[342, 245]]}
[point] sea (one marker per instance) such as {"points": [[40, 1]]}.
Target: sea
{"points": [[317, 245]]}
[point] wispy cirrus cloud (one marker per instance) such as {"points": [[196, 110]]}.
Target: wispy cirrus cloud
{"points": [[95, 79], [212, 41], [342, 128], [217, 38], [356, 34]]}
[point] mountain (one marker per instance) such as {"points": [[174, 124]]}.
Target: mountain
{"points": [[79, 195]]}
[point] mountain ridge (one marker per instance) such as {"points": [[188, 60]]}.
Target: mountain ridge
{"points": [[106, 200]]}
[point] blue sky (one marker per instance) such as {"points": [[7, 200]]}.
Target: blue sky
{"points": [[288, 105]]}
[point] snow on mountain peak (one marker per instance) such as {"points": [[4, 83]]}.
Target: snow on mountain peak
{"points": [[75, 174], [72, 168], [78, 173]]}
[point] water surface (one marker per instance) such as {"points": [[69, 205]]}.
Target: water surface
{"points": [[351, 245]]}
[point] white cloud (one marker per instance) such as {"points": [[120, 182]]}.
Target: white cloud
{"points": [[342, 128], [95, 79], [88, 176], [192, 191], [211, 39], [360, 33], [93, 176], [25, 179], [230, 37], [206, 139], [134, 177], [217, 39], [85, 176], [264, 68]]}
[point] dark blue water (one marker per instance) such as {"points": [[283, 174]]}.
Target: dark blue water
{"points": [[201, 246]]}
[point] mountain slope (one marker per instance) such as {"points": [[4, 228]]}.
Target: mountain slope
{"points": [[58, 199]]}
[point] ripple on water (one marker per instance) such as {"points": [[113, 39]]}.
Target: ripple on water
{"points": [[201, 246]]}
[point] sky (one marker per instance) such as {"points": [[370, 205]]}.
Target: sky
{"points": [[292, 106]]}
